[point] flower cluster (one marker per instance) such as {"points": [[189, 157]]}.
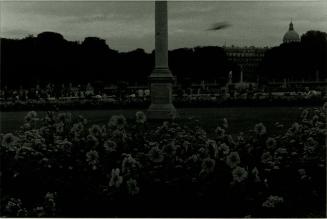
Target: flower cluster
{"points": [[273, 202], [140, 117], [92, 158], [115, 180]]}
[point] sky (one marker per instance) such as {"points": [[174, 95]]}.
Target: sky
{"points": [[128, 25]]}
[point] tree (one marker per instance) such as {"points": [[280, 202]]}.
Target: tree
{"points": [[297, 60], [315, 44]]}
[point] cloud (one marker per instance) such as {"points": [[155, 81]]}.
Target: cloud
{"points": [[14, 33], [89, 19], [129, 25]]}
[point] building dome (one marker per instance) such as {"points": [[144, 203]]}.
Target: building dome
{"points": [[291, 35]]}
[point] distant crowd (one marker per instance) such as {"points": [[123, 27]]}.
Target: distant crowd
{"points": [[64, 95], [47, 92], [51, 91]]}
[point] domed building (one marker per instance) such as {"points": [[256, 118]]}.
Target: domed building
{"points": [[291, 35]]}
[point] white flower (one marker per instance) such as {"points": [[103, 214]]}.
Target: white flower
{"points": [[212, 147], [186, 146], [295, 128], [266, 158], [260, 129], [304, 114], [115, 180], [311, 142], [132, 187], [129, 164], [14, 205], [172, 115], [77, 128], [280, 151], [155, 154], [92, 140], [140, 117], [233, 159], [200, 132], [255, 173], [303, 174], [95, 130], [31, 116], [220, 132], [60, 127], [110, 146], [324, 107], [63, 144], [64, 117], [240, 138], [119, 135], [271, 143], [9, 140], [315, 118], [193, 158], [239, 174], [208, 165], [224, 148], [230, 140], [92, 158], [117, 121], [50, 201], [225, 123], [169, 148], [273, 201]]}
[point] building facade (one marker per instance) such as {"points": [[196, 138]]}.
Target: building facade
{"points": [[248, 59]]}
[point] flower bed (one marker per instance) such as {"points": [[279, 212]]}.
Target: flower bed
{"points": [[63, 166]]}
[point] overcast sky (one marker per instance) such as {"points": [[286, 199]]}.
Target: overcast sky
{"points": [[129, 25]]}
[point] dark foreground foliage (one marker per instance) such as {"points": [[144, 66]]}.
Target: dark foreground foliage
{"points": [[62, 166]]}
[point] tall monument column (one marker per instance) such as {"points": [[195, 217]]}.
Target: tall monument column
{"points": [[161, 79], [241, 75]]}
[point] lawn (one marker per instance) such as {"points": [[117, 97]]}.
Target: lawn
{"points": [[240, 118]]}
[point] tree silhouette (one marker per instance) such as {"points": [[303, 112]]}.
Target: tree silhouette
{"points": [[315, 45], [298, 60], [49, 57]]}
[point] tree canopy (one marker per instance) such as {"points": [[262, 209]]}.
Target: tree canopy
{"points": [[299, 60], [49, 57]]}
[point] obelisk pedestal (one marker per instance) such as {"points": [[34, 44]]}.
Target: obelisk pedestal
{"points": [[161, 78]]}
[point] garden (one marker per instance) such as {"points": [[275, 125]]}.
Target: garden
{"points": [[62, 165]]}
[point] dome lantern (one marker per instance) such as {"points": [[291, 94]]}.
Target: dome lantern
{"points": [[291, 26]]}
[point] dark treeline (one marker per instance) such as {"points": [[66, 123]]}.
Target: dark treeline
{"points": [[49, 58], [304, 60]]}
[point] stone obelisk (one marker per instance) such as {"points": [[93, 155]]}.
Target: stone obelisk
{"points": [[161, 79]]}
